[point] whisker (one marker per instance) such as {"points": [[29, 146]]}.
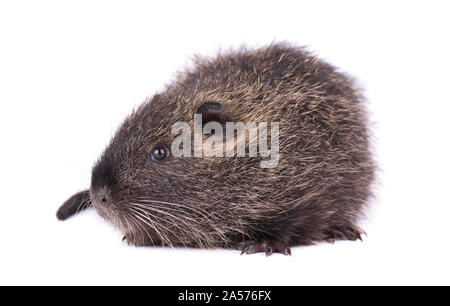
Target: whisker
{"points": [[173, 223], [212, 221], [195, 233], [138, 225], [196, 209], [146, 220]]}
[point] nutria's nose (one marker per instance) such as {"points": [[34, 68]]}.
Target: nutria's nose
{"points": [[101, 197]]}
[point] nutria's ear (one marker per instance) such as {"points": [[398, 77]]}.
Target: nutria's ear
{"points": [[74, 204], [213, 111]]}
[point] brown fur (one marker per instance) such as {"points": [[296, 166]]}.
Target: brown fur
{"points": [[318, 192]]}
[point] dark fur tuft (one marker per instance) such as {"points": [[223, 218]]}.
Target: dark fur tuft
{"points": [[74, 204]]}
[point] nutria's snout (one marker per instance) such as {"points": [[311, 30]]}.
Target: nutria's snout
{"points": [[102, 182], [102, 201], [101, 197]]}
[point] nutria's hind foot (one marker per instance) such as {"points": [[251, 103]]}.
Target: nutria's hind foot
{"points": [[344, 232], [264, 245]]}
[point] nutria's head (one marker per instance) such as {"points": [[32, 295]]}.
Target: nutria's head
{"points": [[149, 193]]}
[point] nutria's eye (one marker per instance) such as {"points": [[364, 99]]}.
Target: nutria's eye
{"points": [[159, 154]]}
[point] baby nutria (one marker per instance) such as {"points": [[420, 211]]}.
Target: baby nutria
{"points": [[316, 188]]}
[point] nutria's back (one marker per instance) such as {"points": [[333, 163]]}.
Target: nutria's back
{"points": [[317, 191]]}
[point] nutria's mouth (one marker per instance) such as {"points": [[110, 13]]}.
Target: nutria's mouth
{"points": [[101, 210]]}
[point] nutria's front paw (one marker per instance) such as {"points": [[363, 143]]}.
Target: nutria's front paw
{"points": [[264, 245], [130, 239]]}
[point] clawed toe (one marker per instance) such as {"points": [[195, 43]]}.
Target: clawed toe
{"points": [[344, 233], [287, 251]]}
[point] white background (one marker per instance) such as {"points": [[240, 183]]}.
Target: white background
{"points": [[71, 70]]}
